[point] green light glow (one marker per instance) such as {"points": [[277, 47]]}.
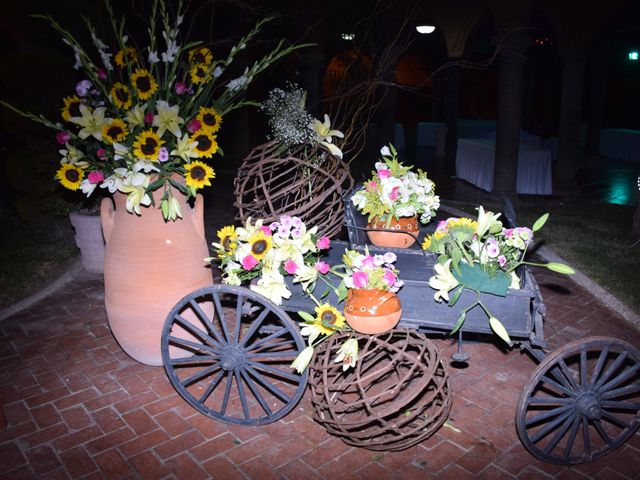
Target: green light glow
{"points": [[633, 55]]}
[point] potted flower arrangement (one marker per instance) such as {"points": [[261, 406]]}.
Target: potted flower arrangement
{"points": [[481, 256], [143, 124], [393, 199]]}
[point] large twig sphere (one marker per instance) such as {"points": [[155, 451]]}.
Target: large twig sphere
{"points": [[396, 396], [270, 184]]}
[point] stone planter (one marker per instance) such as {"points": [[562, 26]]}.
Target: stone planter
{"points": [[89, 240]]}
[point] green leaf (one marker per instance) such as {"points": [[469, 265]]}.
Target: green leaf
{"points": [[540, 222], [560, 268], [155, 185], [459, 323], [165, 208], [306, 316], [499, 329], [183, 188], [341, 291], [475, 278], [325, 293], [456, 295]]}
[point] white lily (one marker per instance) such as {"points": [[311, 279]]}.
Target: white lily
{"points": [[488, 222], [185, 149], [135, 116], [302, 360], [120, 151], [272, 286], [348, 354], [443, 281], [134, 186], [87, 187], [91, 122], [113, 182], [73, 156], [324, 135], [167, 118]]}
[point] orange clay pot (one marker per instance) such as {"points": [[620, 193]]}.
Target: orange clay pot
{"points": [[372, 311], [149, 265], [392, 238]]}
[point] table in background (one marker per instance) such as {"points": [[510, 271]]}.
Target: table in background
{"points": [[475, 164], [620, 143]]}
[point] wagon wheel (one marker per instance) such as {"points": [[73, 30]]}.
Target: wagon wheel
{"points": [[227, 351], [582, 401]]}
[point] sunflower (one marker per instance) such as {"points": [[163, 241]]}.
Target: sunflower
{"points": [[228, 239], [207, 144], [462, 222], [200, 55], [198, 174], [71, 107], [327, 315], [147, 146], [199, 73], [121, 96], [122, 56], [145, 84], [115, 132], [70, 176], [260, 244], [210, 120]]}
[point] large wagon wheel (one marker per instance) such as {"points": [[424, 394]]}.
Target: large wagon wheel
{"points": [[227, 351], [582, 401]]}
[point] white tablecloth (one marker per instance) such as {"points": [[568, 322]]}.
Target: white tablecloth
{"points": [[475, 164], [620, 143]]}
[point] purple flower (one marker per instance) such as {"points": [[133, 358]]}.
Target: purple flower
{"points": [[249, 262], [62, 137], [296, 233], [360, 279], [102, 74], [390, 278], [492, 248], [390, 257], [290, 267], [286, 221], [502, 260], [296, 222], [322, 267], [83, 87], [181, 88], [507, 232], [163, 154], [323, 243]]}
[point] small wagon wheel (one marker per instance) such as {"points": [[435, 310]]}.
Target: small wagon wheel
{"points": [[582, 401], [227, 351]]}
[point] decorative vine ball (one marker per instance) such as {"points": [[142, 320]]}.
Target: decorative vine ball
{"points": [[270, 184], [396, 396]]}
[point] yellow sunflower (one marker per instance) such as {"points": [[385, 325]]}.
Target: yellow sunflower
{"points": [[71, 107], [198, 174], [200, 55], [145, 84], [328, 315], [209, 119], [147, 146], [122, 56], [260, 244], [199, 73], [228, 237], [206, 143], [462, 222], [121, 96], [70, 176], [115, 132]]}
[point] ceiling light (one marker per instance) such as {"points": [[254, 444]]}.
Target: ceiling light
{"points": [[426, 29], [348, 36]]}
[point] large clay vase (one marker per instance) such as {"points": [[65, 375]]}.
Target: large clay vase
{"points": [[392, 237], [149, 265], [372, 311]]}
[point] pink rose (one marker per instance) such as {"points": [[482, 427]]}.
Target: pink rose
{"points": [[95, 177], [181, 88], [101, 153], [62, 137], [249, 262], [148, 117], [322, 267], [390, 278], [290, 267], [384, 173], [194, 126], [323, 243], [360, 279], [266, 230]]}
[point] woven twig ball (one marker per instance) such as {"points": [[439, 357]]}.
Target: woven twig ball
{"points": [[396, 396], [270, 184]]}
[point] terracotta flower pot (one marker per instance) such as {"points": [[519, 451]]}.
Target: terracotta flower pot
{"points": [[372, 311], [392, 237], [149, 265]]}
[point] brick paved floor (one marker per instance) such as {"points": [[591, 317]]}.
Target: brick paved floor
{"points": [[76, 406]]}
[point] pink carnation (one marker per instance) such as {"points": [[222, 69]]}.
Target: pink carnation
{"points": [[102, 74], [95, 177], [360, 279], [181, 88], [368, 262], [390, 278], [323, 243], [62, 137], [394, 193], [322, 267], [194, 126], [249, 262], [371, 186], [384, 173], [101, 153], [266, 230], [290, 267], [148, 117]]}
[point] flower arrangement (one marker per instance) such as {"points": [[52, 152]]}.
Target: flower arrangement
{"points": [[482, 256], [365, 271], [394, 191], [143, 116], [268, 253]]}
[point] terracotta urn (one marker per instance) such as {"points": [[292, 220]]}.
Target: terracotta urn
{"points": [[372, 311], [149, 265], [392, 236]]}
